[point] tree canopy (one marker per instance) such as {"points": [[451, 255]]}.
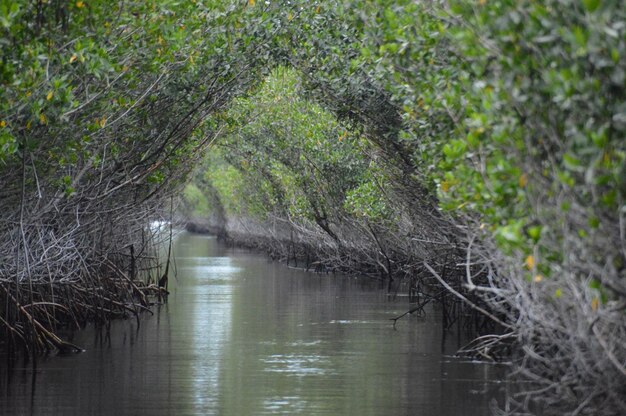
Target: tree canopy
{"points": [[413, 133]]}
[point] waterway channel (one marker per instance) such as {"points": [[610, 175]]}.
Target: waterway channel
{"points": [[241, 335]]}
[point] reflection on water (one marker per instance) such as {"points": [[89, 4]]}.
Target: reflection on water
{"points": [[244, 336], [298, 365]]}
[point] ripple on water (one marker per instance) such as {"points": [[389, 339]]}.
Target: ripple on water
{"points": [[298, 364], [284, 405]]}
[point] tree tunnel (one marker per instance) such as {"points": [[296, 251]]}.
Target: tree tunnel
{"points": [[469, 153]]}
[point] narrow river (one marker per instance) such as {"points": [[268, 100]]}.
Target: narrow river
{"points": [[244, 336]]}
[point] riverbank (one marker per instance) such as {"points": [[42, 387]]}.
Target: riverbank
{"points": [[119, 282], [360, 254]]}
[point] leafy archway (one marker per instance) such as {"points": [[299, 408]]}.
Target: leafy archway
{"points": [[498, 125]]}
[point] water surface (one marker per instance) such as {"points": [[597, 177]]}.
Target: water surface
{"points": [[244, 336]]}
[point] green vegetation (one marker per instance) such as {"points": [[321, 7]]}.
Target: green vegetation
{"points": [[400, 138], [284, 155], [101, 106]]}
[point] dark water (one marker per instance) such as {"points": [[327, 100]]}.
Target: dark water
{"points": [[244, 336]]}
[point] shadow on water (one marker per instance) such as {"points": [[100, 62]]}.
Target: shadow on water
{"points": [[244, 336]]}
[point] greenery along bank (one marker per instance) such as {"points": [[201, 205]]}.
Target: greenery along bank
{"points": [[477, 145], [99, 113], [506, 116]]}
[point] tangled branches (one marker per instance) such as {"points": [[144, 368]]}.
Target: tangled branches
{"points": [[95, 143], [568, 344]]}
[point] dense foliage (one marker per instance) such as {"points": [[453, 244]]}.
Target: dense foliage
{"points": [[512, 115], [100, 112], [401, 135]]}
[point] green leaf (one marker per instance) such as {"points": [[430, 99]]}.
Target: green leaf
{"points": [[594, 222], [534, 232], [571, 162], [595, 284], [591, 5]]}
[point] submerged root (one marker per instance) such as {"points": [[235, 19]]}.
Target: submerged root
{"points": [[33, 314]]}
